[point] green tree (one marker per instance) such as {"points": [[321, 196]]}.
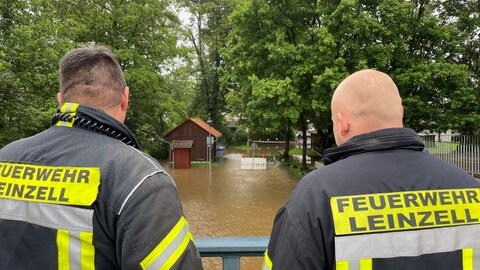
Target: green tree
{"points": [[207, 30], [418, 46], [273, 105], [280, 40], [30, 47], [316, 44], [143, 34], [302, 50]]}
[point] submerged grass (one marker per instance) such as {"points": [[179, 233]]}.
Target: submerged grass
{"points": [[204, 164]]}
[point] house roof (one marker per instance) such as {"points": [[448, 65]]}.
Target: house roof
{"points": [[202, 124]]}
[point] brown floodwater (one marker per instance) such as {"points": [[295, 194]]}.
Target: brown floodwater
{"points": [[225, 201]]}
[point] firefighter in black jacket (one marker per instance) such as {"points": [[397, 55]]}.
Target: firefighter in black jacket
{"points": [[82, 194], [380, 202]]}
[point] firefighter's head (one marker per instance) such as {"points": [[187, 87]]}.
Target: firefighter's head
{"points": [[92, 76], [365, 101]]}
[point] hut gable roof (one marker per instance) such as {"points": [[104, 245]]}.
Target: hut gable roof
{"points": [[202, 124], [205, 126]]}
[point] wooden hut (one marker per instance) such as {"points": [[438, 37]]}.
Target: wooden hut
{"points": [[189, 141]]}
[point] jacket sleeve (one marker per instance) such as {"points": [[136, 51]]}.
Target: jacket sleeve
{"points": [[290, 246], [152, 232]]}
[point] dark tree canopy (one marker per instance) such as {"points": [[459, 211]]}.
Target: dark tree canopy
{"points": [[274, 64]]}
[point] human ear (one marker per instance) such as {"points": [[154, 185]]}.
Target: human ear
{"points": [[59, 98], [125, 97], [343, 124]]}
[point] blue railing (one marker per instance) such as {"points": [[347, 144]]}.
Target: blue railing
{"points": [[231, 249]]}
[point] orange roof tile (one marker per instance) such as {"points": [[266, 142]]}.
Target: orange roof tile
{"points": [[199, 122], [204, 125]]}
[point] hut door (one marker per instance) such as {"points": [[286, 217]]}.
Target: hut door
{"points": [[182, 158]]}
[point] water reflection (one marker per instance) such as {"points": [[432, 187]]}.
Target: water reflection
{"points": [[228, 201]]}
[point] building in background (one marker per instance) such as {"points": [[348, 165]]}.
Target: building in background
{"points": [[189, 142]]}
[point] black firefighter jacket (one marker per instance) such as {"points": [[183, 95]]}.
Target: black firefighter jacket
{"points": [[379, 203], [81, 195]]}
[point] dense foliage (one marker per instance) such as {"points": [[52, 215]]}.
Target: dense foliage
{"points": [[143, 35], [272, 63], [292, 54]]}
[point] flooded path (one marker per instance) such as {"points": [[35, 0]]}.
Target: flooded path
{"points": [[225, 201]]}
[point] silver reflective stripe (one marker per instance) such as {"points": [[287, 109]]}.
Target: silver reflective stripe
{"points": [[68, 108], [160, 262], [363, 264], [407, 243], [48, 215], [354, 265], [134, 189], [74, 250], [157, 168], [476, 258], [166, 254]]}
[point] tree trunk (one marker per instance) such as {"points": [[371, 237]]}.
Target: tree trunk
{"points": [[287, 142], [304, 141]]}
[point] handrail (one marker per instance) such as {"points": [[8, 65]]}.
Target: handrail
{"points": [[231, 249]]}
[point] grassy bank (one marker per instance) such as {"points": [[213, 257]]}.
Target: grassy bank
{"points": [[294, 166], [443, 148], [204, 164]]}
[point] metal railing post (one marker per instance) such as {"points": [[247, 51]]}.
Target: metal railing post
{"points": [[231, 249], [231, 262]]}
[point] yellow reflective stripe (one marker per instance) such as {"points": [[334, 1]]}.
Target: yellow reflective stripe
{"points": [[75, 250], [267, 264], [366, 264], [362, 264], [342, 265], [70, 108], [178, 252], [467, 259], [87, 252], [166, 254], [62, 247]]}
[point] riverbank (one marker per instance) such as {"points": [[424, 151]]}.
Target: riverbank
{"points": [[294, 162]]}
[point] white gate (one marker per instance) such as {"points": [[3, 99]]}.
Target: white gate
{"points": [[254, 164]]}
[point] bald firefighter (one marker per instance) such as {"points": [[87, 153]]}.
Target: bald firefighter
{"points": [[380, 202]]}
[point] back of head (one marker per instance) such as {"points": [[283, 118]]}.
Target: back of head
{"points": [[368, 100], [91, 76]]}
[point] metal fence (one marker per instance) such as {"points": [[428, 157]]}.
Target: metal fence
{"points": [[461, 150], [231, 249]]}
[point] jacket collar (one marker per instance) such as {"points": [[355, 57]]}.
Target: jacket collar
{"points": [[96, 120], [391, 138]]}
